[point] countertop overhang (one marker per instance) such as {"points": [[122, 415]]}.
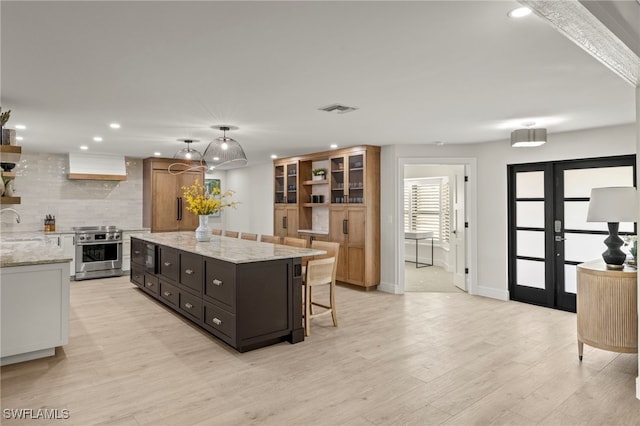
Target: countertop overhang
{"points": [[229, 249], [30, 252]]}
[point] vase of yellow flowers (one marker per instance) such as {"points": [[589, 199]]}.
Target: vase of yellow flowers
{"points": [[203, 203]]}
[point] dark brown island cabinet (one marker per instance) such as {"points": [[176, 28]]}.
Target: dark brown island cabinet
{"points": [[246, 305]]}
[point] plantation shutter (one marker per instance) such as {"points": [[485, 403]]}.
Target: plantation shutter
{"points": [[445, 212]]}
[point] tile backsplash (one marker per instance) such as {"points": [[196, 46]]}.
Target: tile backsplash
{"points": [[41, 182]]}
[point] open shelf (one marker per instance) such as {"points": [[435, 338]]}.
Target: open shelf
{"points": [[10, 153], [315, 182], [316, 204], [9, 200], [8, 174]]}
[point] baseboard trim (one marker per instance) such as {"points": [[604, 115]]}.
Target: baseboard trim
{"points": [[388, 288], [493, 293]]}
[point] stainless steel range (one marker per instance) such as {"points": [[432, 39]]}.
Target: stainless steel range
{"points": [[98, 252]]}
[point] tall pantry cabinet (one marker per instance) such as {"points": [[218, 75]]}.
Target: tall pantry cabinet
{"points": [[164, 207], [352, 207]]}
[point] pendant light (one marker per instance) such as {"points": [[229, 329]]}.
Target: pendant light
{"points": [[528, 137], [188, 153], [224, 152]]}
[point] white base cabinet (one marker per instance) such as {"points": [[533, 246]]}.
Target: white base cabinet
{"points": [[34, 311]]}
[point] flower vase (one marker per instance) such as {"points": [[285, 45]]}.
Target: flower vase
{"points": [[202, 231]]}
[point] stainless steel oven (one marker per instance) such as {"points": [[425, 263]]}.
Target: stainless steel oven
{"points": [[98, 252]]}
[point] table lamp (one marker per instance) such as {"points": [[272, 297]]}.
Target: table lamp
{"points": [[613, 205]]}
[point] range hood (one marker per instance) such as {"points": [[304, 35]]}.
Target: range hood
{"points": [[96, 167]]}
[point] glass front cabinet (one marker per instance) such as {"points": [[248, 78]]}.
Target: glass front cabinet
{"points": [[344, 205]]}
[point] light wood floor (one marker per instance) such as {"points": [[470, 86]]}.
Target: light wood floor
{"points": [[421, 358], [428, 279]]}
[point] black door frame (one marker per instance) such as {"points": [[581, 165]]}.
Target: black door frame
{"points": [[553, 295]]}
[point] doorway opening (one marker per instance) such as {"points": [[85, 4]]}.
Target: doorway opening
{"points": [[433, 236]]}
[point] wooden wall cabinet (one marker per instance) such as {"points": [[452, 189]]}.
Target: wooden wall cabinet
{"points": [[354, 207], [164, 207]]}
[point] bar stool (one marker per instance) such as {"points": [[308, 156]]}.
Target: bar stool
{"points": [[232, 234], [295, 242], [320, 272], [249, 236], [269, 239], [216, 231]]}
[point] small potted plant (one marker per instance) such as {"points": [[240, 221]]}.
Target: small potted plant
{"points": [[319, 174]]}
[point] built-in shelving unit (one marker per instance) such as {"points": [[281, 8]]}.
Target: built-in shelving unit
{"points": [[9, 154], [344, 207]]}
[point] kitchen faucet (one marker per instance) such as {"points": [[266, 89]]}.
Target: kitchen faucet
{"points": [[9, 209]]}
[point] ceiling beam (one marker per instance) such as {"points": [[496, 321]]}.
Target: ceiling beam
{"points": [[579, 25]]}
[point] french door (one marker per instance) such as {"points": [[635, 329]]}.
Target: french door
{"points": [[548, 232]]}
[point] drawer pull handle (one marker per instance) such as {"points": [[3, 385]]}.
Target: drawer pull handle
{"points": [[136, 252], [188, 271], [188, 305], [216, 321], [167, 263], [167, 293], [149, 284], [217, 282]]}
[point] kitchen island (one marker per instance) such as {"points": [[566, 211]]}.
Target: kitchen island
{"points": [[34, 288], [246, 293]]}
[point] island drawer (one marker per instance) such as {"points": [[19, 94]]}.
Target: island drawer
{"points": [[191, 305], [219, 321], [169, 266], [191, 271], [220, 278], [169, 294], [151, 284], [138, 248], [137, 276]]}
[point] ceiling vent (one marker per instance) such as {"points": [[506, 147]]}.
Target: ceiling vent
{"points": [[337, 108]]}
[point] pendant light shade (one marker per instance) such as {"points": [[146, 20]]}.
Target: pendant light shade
{"points": [[188, 153], [528, 137], [225, 152]]}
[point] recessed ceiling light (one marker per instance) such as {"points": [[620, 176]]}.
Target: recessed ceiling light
{"points": [[520, 12], [19, 138], [273, 156], [97, 139], [212, 167], [20, 126], [333, 145], [84, 147], [157, 154], [114, 125], [216, 158]]}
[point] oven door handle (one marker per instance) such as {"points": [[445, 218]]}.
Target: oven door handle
{"points": [[95, 243]]}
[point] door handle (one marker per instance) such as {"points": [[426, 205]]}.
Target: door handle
{"points": [[345, 226], [560, 238], [284, 222], [177, 208]]}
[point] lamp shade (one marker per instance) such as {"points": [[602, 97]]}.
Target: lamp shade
{"points": [[528, 137], [613, 204], [188, 153], [224, 152]]}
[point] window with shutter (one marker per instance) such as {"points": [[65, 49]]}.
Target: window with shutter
{"points": [[426, 207]]}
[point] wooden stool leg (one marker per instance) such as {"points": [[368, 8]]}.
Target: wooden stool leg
{"points": [[332, 302], [307, 310], [310, 301]]}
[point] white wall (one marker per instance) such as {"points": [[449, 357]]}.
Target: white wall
{"points": [[253, 188], [41, 182], [492, 160]]}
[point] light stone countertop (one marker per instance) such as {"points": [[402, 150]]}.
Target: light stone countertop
{"points": [[30, 252], [232, 250]]}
